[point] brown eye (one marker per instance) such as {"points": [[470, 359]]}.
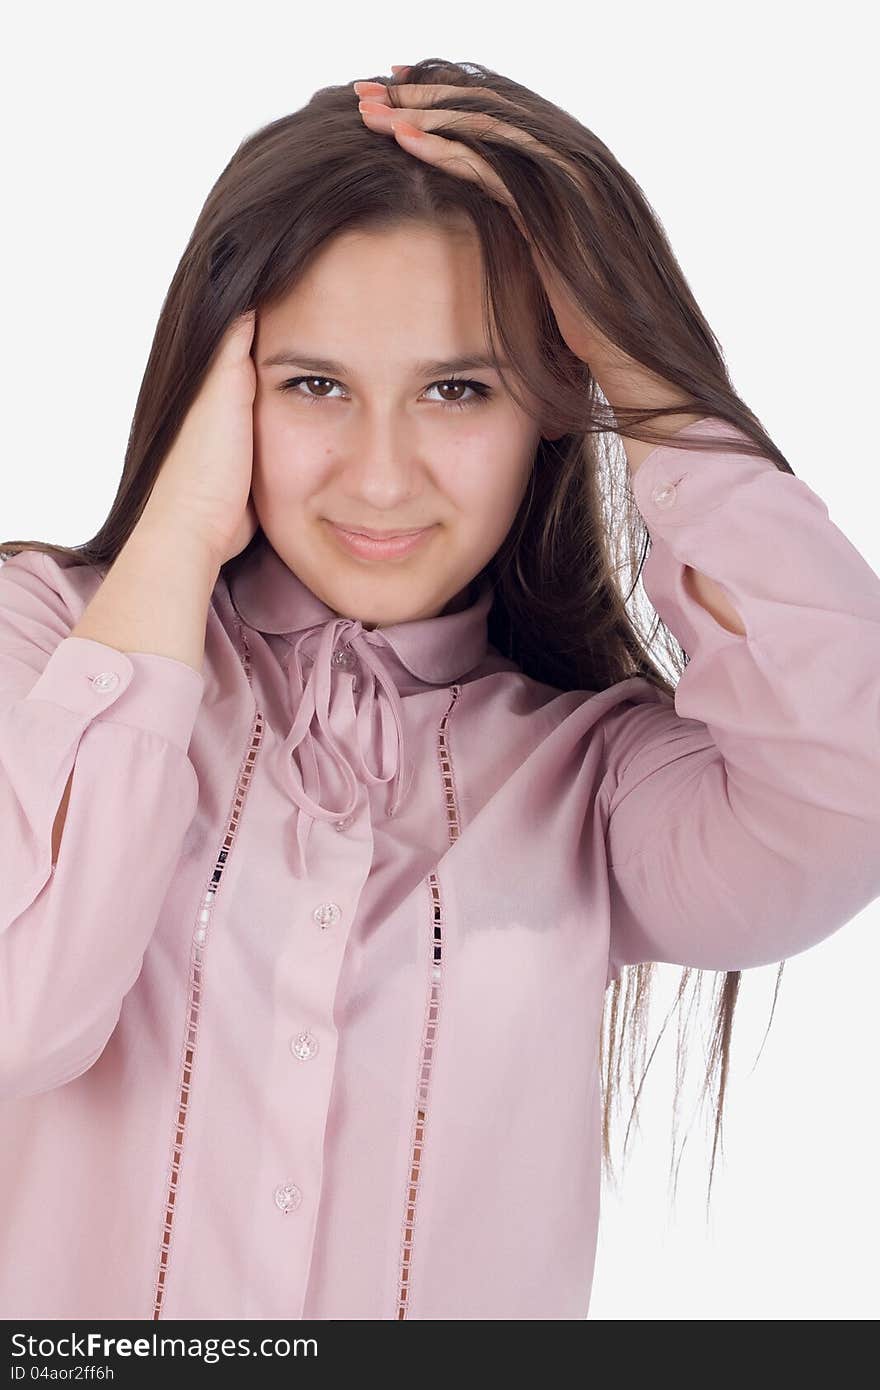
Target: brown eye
{"points": [[295, 381], [480, 391], [454, 385], [479, 388]]}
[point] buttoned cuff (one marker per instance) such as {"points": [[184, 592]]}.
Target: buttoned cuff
{"points": [[711, 510], [674, 487], [143, 690]]}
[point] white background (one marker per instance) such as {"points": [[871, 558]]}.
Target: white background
{"points": [[750, 129]]}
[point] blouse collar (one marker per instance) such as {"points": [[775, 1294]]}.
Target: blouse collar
{"points": [[270, 598]]}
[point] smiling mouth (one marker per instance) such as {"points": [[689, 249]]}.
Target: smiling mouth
{"points": [[378, 535], [386, 547]]}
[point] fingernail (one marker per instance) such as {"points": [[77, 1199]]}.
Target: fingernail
{"points": [[360, 87]]}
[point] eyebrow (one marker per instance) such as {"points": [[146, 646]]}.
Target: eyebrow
{"points": [[293, 357]]}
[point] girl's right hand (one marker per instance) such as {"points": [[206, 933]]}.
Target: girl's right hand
{"points": [[204, 483]]}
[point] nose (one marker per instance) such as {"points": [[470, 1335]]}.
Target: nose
{"points": [[383, 466]]}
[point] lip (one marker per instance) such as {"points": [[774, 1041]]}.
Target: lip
{"points": [[379, 547]]}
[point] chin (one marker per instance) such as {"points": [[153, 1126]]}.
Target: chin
{"points": [[385, 613], [385, 616]]}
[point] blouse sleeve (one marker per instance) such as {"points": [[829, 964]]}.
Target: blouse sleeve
{"points": [[73, 934], [743, 816]]}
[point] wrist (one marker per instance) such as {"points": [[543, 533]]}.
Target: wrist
{"points": [[155, 536]]}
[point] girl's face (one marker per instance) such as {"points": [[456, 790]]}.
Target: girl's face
{"points": [[376, 435]]}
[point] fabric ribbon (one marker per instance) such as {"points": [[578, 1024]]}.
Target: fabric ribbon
{"points": [[377, 699]]}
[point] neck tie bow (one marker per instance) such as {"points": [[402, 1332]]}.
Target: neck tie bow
{"points": [[341, 647]]}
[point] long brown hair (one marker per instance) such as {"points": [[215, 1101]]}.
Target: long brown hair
{"points": [[559, 611]]}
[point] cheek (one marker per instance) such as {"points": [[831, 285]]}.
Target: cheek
{"points": [[290, 462], [487, 476]]}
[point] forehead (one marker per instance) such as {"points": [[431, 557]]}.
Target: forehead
{"points": [[417, 274]]}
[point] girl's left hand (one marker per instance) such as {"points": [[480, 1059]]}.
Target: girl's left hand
{"points": [[414, 100]]}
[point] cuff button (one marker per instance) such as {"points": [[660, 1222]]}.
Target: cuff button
{"points": [[664, 495], [107, 680]]}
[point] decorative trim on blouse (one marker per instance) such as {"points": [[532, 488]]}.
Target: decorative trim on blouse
{"points": [[432, 1011], [197, 957]]}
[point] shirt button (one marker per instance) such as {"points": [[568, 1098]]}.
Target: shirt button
{"points": [[664, 494], [304, 1045], [344, 823], [327, 914], [287, 1197], [107, 680]]}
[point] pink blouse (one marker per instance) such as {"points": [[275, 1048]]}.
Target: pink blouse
{"points": [[304, 1023]]}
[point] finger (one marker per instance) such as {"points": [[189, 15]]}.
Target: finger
{"points": [[489, 126], [443, 150], [421, 94], [238, 335], [456, 158], [425, 93], [372, 91]]}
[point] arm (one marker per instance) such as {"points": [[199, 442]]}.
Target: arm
{"points": [[743, 818], [104, 731], [625, 383]]}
